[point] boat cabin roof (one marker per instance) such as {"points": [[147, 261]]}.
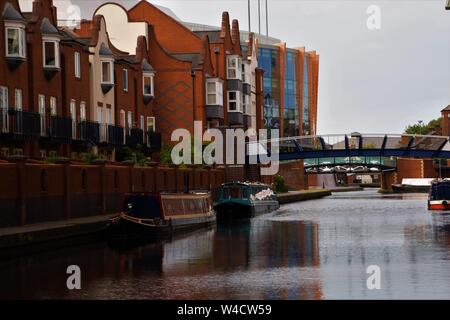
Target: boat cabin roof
{"points": [[246, 184]]}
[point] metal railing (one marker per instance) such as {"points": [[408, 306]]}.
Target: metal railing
{"points": [[19, 123]]}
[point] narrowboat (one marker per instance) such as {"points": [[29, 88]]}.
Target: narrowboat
{"points": [[158, 215], [413, 186], [439, 196], [245, 200]]}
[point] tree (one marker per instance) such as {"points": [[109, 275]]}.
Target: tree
{"points": [[424, 129]]}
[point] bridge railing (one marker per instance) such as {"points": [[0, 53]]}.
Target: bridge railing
{"points": [[420, 145]]}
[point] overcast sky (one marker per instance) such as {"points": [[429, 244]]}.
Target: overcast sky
{"points": [[372, 81]]}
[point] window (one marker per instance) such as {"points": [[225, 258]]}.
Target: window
{"points": [[53, 106], [246, 104], [141, 123], [151, 125], [4, 109], [246, 73], [234, 101], [15, 42], [99, 114], [148, 85], [73, 115], [18, 99], [125, 80], [41, 103], [130, 120], [83, 111], [77, 65], [107, 72], [122, 118], [214, 95], [108, 116], [234, 65], [51, 53]]}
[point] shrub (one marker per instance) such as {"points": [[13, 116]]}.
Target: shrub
{"points": [[280, 185]]}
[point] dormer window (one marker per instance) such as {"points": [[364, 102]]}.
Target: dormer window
{"points": [[234, 66], [51, 53], [15, 38], [148, 77], [107, 72], [15, 42], [148, 80]]}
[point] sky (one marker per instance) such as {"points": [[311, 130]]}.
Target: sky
{"points": [[370, 80]]}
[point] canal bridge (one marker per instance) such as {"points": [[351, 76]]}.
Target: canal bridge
{"points": [[352, 153]]}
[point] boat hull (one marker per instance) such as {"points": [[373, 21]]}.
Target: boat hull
{"points": [[121, 228], [399, 188], [233, 211], [439, 205]]}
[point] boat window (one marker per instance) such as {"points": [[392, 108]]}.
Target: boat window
{"points": [[142, 206]]}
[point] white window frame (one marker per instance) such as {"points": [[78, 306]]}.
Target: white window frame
{"points": [[73, 115], [108, 116], [53, 106], [246, 105], [4, 108], [18, 99], [217, 92], [22, 40], [246, 73], [55, 41], [77, 59], [111, 71], [129, 121], [41, 105], [236, 69], [151, 120], [152, 78], [123, 119], [237, 101], [125, 80], [82, 111]]}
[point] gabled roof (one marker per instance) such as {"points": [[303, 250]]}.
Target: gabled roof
{"points": [[447, 108], [193, 58], [105, 50], [47, 27], [10, 13]]}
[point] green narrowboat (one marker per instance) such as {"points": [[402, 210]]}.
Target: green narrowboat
{"points": [[245, 200]]}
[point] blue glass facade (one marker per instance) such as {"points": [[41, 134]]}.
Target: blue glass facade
{"points": [[305, 115], [268, 59], [291, 122]]}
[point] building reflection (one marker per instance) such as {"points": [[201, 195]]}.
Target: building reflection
{"points": [[256, 247]]}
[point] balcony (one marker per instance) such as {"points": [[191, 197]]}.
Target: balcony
{"points": [[89, 131], [135, 137], [111, 134], [59, 128], [154, 141], [19, 125]]}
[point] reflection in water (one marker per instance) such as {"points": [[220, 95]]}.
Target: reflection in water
{"points": [[310, 250]]}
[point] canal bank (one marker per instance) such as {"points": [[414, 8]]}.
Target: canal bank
{"points": [[27, 239], [304, 195]]}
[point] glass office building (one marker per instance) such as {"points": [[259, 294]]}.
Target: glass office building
{"points": [[268, 59], [306, 116], [291, 121]]}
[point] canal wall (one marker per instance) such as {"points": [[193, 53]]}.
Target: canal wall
{"points": [[33, 193], [304, 195]]}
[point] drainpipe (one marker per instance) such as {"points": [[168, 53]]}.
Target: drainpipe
{"points": [[194, 111]]}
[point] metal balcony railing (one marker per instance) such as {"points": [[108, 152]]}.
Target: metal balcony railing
{"points": [[135, 137], [111, 134], [154, 141], [19, 123], [89, 131]]}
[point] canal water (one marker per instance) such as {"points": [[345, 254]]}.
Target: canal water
{"points": [[318, 249]]}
